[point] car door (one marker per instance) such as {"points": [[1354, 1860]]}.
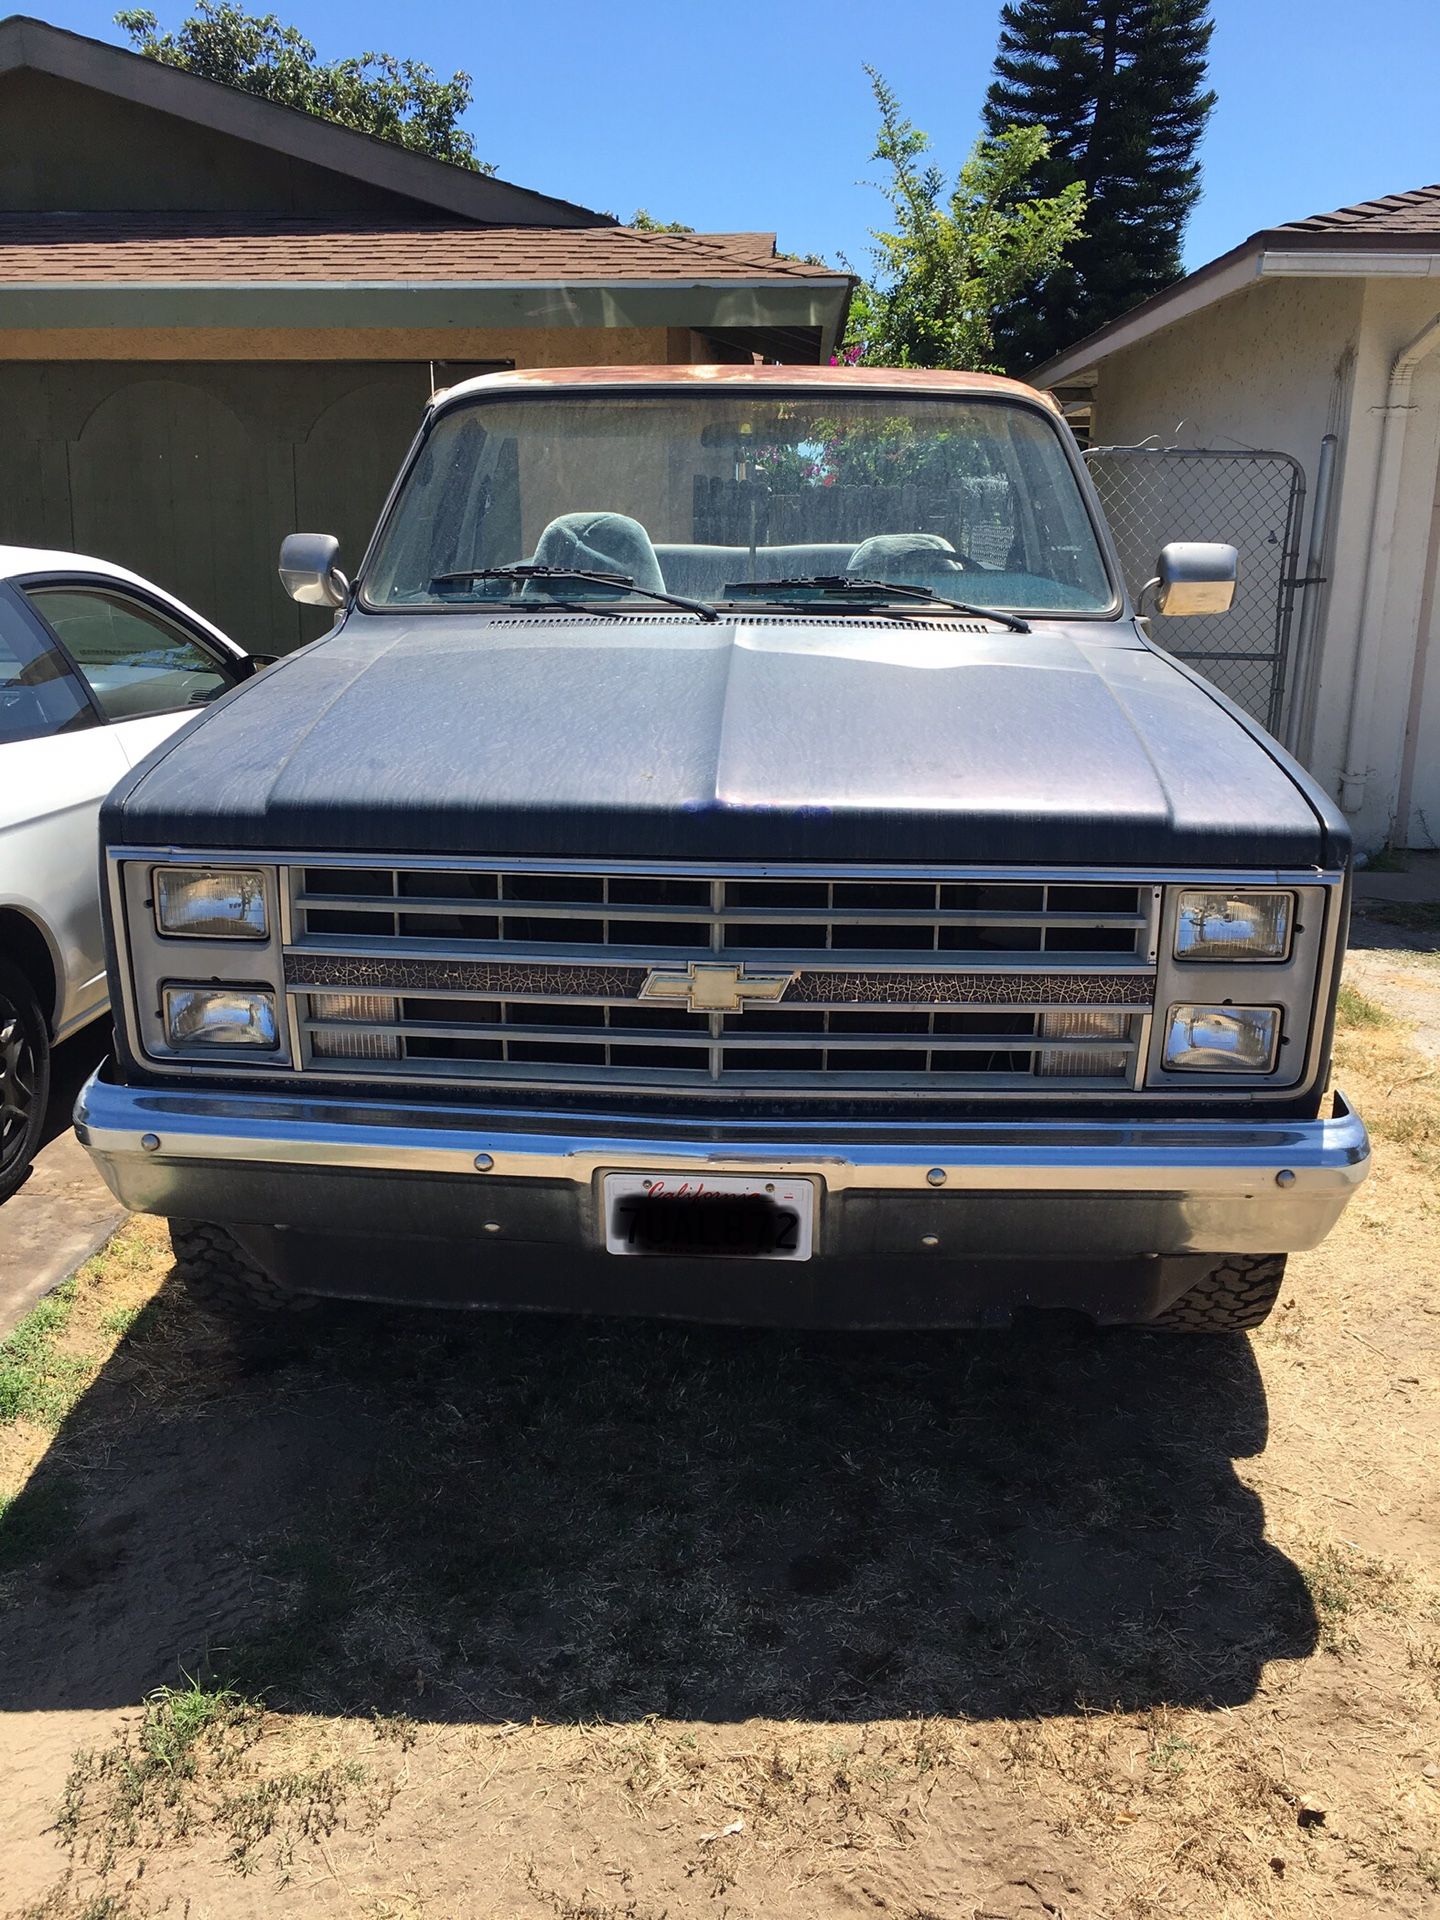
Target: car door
{"points": [[149, 670], [57, 762]]}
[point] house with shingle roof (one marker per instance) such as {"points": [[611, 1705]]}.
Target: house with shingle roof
{"points": [[1323, 326], [220, 318]]}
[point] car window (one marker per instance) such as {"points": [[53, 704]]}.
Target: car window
{"points": [[135, 660], [973, 498], [39, 695]]}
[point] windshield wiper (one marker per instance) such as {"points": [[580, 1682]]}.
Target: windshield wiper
{"points": [[525, 570], [853, 583]]}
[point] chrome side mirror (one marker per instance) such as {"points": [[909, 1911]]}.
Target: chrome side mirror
{"points": [[1195, 576], [308, 571]]}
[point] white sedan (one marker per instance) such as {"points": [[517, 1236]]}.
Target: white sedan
{"points": [[97, 666]]}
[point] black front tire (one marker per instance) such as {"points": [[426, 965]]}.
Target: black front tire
{"points": [[24, 1077], [1234, 1296], [217, 1271]]}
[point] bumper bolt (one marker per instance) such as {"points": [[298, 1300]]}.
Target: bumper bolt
{"points": [[150, 1142], [930, 1240], [1285, 1178], [483, 1163], [936, 1176]]}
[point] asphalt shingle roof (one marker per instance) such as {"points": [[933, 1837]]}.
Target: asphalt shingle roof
{"points": [[1416, 213], [93, 248]]}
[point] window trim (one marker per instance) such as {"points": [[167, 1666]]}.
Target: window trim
{"points": [[1116, 611], [236, 668]]}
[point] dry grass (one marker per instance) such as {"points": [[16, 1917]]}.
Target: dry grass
{"points": [[1401, 1085], [616, 1622]]}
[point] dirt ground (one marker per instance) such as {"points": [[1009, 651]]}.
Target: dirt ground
{"points": [[383, 1617]]}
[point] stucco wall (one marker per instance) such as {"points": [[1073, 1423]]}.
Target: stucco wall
{"points": [[1419, 808], [1394, 312], [1279, 365], [1256, 370]]}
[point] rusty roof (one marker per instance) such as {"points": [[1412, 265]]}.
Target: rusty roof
{"points": [[231, 248], [878, 379]]}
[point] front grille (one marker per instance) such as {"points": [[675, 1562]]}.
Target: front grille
{"points": [[696, 915], [895, 982]]}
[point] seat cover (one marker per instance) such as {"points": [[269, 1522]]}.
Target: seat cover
{"points": [[906, 557], [601, 543]]}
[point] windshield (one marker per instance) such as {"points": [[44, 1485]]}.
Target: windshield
{"points": [[707, 494]]}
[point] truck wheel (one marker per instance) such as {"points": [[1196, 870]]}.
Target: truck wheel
{"points": [[1236, 1294], [24, 1077], [217, 1271]]}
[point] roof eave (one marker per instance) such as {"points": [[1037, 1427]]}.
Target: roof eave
{"points": [[1212, 282], [1369, 261], [1276, 253], [417, 304]]}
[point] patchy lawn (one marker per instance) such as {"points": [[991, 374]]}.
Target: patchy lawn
{"points": [[607, 1621]]}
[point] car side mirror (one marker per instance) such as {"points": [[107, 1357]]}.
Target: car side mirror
{"points": [[308, 571], [1195, 576]]}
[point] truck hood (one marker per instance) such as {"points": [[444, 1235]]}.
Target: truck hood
{"points": [[640, 735]]}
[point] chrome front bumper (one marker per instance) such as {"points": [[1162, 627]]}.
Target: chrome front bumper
{"points": [[527, 1184]]}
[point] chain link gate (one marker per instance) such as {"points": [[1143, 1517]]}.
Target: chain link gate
{"points": [[1256, 502]]}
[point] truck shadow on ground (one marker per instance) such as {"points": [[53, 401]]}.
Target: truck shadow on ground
{"points": [[488, 1519]]}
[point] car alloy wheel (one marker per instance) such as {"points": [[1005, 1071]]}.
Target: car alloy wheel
{"points": [[24, 1079], [17, 1086]]}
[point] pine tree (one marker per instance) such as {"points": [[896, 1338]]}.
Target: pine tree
{"points": [[1119, 87]]}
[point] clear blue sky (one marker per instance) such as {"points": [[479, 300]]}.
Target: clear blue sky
{"points": [[755, 114]]}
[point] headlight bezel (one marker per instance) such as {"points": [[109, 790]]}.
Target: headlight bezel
{"points": [[155, 960], [1299, 985]]}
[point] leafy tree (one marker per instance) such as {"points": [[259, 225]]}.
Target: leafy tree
{"points": [[396, 100], [646, 223], [1119, 88], [951, 261]]}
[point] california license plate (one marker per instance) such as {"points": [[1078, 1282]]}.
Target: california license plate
{"points": [[718, 1216]]}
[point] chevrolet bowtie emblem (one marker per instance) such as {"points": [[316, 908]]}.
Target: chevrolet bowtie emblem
{"points": [[713, 986]]}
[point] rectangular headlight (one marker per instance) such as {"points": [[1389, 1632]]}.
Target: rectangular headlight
{"points": [[215, 1017], [1234, 923], [1221, 1039], [211, 903]]}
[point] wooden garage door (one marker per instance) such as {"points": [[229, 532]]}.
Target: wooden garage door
{"points": [[192, 473]]}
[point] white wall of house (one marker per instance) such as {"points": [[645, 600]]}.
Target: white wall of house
{"points": [[1399, 756], [1252, 371], [1278, 365], [1419, 809]]}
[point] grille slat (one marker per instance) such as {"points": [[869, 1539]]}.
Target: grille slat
{"points": [[903, 983], [385, 910], [752, 1042]]}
